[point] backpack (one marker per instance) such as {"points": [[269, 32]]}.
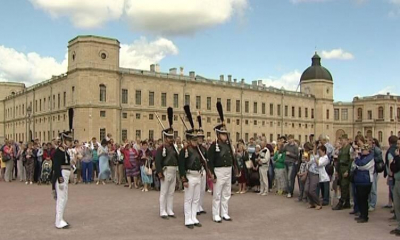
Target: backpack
{"points": [[379, 164]]}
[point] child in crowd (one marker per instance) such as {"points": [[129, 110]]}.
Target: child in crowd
{"points": [[302, 174]]}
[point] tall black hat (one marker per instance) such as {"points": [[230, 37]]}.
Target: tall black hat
{"points": [[200, 131], [190, 133], [169, 132], [221, 128]]}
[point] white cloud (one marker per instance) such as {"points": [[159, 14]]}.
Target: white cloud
{"points": [[389, 89], [181, 16], [158, 16], [395, 12], [32, 68], [28, 68], [337, 54], [288, 81], [141, 53], [83, 13]]}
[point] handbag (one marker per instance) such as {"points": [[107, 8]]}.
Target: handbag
{"points": [[147, 169], [249, 164], [5, 157]]}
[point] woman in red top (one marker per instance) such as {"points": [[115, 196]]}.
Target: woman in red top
{"points": [[131, 163]]}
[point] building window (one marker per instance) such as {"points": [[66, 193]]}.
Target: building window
{"points": [[208, 120], [237, 106], [137, 115], [255, 122], [237, 121], [138, 97], [176, 134], [198, 102], [345, 114], [124, 115], [102, 133], [398, 113], [306, 112], [163, 99], [187, 99], [228, 120], [65, 99], [312, 113], [293, 112], [263, 108], [299, 112], [102, 113], [151, 134], [218, 99], [176, 100], [369, 115], [237, 137], [103, 93], [208, 134], [151, 116], [286, 110], [164, 117], [228, 105], [40, 106], [271, 109], [54, 102], [138, 134], [246, 122], [124, 134], [336, 114], [125, 96], [246, 137], [391, 112], [271, 137], [246, 106], [380, 114], [151, 98], [208, 103], [279, 110], [327, 113], [59, 101], [380, 136], [359, 113], [255, 107]]}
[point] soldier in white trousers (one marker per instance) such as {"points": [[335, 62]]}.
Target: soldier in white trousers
{"points": [[61, 173], [203, 180], [166, 166], [221, 161]]}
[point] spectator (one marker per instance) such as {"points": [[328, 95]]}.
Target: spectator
{"points": [[103, 163], [119, 164], [375, 148], [312, 180], [29, 164], [130, 163], [95, 161], [363, 179], [146, 160], [87, 165], [292, 153], [241, 157], [324, 179], [254, 173], [263, 168], [20, 163], [395, 169], [280, 171]]}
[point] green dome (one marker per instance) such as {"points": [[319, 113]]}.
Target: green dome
{"points": [[316, 71]]}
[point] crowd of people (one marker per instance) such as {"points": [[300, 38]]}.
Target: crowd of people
{"points": [[349, 167]]}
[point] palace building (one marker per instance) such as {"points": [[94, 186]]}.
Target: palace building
{"points": [[101, 97]]}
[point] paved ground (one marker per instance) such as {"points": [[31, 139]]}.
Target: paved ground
{"points": [[114, 212]]}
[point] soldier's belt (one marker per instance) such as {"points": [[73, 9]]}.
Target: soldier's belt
{"points": [[65, 167], [194, 171]]}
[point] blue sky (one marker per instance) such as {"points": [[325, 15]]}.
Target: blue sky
{"points": [[272, 40]]}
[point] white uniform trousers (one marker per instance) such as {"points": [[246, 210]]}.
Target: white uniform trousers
{"points": [[222, 192], [62, 198], [263, 171], [203, 183], [192, 197], [167, 192]]}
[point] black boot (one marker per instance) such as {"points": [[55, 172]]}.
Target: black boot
{"points": [[339, 206], [347, 205]]}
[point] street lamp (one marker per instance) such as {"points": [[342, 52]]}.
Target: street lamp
{"points": [[29, 114]]}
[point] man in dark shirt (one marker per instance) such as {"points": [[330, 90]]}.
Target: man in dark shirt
{"points": [[291, 159]]}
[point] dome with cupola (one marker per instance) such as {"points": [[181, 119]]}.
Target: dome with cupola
{"points": [[316, 71]]}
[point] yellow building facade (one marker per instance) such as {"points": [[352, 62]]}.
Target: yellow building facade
{"points": [[104, 98]]}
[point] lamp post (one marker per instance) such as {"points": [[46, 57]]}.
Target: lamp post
{"points": [[29, 115]]}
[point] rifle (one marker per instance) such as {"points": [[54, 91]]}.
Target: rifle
{"points": [[162, 125], [202, 158]]}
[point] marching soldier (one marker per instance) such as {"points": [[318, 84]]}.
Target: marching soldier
{"points": [[203, 181], [221, 160], [190, 171], [166, 165], [60, 176]]}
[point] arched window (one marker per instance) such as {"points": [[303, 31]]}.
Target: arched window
{"points": [[103, 93], [391, 112], [380, 136], [359, 113], [380, 113]]}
